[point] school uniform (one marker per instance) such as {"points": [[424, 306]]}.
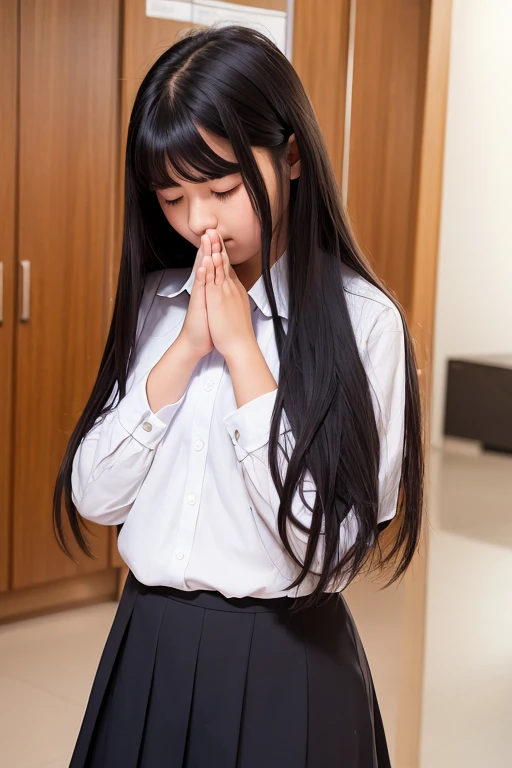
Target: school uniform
{"points": [[205, 666]]}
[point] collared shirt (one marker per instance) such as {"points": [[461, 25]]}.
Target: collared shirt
{"points": [[191, 483]]}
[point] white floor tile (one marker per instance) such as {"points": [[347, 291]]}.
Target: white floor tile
{"points": [[68, 644], [35, 726], [467, 704]]}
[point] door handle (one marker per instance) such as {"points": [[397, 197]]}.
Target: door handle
{"points": [[25, 291]]}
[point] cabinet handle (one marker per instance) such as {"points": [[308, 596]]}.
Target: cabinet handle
{"points": [[25, 288], [1, 293]]}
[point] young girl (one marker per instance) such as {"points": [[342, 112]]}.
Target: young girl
{"points": [[255, 415]]}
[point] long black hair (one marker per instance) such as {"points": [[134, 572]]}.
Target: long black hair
{"points": [[235, 83]]}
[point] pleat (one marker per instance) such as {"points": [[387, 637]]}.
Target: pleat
{"points": [[196, 681], [221, 671], [168, 712], [275, 710], [340, 731], [104, 672], [119, 738]]}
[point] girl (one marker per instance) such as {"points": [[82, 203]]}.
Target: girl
{"points": [[255, 415]]}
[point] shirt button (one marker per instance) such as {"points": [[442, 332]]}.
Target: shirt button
{"points": [[191, 499], [208, 386], [237, 435], [198, 445], [180, 555], [147, 426]]}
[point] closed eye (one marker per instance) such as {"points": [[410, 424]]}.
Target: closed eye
{"points": [[225, 195], [218, 195]]}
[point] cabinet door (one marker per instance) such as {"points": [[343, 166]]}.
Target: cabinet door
{"points": [[66, 202], [8, 93]]}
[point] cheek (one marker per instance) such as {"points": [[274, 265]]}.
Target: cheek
{"points": [[241, 223]]}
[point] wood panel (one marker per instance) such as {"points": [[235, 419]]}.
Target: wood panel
{"points": [[67, 180], [421, 321], [320, 56], [386, 122], [59, 595], [8, 144]]}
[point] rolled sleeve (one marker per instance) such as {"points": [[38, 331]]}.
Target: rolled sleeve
{"points": [[116, 455], [249, 426], [137, 418]]}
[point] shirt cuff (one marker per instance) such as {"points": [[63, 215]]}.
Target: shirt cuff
{"points": [[137, 418], [249, 426]]}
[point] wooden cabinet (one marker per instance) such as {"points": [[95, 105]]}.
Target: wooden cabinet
{"points": [[58, 192], [8, 144]]}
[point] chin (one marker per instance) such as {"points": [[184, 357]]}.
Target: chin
{"points": [[237, 256]]}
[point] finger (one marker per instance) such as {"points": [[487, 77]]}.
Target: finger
{"points": [[219, 267], [198, 295], [207, 245], [215, 248], [198, 259], [225, 257], [207, 263], [214, 236]]}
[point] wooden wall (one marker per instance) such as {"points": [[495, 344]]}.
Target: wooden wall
{"points": [[8, 158], [386, 126]]}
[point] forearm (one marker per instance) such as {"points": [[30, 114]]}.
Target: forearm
{"points": [[250, 375], [169, 378]]}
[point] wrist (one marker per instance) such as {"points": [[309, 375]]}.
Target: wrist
{"points": [[250, 374], [243, 353], [186, 353]]}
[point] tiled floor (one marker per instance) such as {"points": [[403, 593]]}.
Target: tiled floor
{"points": [[467, 703], [46, 669], [47, 664]]}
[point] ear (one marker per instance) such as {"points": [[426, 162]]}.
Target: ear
{"points": [[293, 158]]}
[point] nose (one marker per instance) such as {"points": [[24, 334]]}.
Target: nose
{"points": [[201, 217]]}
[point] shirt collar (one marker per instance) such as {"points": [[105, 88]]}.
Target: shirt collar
{"points": [[172, 285]]}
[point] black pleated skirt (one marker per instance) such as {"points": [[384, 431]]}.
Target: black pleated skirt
{"points": [[198, 680]]}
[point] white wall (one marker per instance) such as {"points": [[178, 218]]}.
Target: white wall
{"points": [[474, 289]]}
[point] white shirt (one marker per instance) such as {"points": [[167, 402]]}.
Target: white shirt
{"points": [[191, 483]]}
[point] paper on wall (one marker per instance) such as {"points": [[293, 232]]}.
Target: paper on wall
{"points": [[208, 12]]}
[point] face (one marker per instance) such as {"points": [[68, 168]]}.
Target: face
{"points": [[223, 204]]}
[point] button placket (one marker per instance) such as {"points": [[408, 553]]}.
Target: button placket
{"points": [[200, 429]]}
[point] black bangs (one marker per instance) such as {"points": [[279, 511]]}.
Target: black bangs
{"points": [[171, 141]]}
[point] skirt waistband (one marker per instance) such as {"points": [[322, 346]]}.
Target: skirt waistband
{"points": [[206, 598]]}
